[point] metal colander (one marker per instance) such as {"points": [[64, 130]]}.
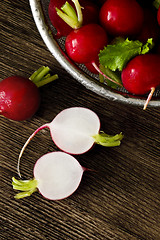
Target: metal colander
{"points": [[39, 10]]}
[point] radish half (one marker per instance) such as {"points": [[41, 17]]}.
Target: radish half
{"points": [[75, 130], [56, 175], [72, 130]]}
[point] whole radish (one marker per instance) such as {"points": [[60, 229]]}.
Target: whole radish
{"points": [[121, 18], [20, 96], [75, 130], [150, 28], [83, 45], [90, 15], [142, 75], [56, 176]]}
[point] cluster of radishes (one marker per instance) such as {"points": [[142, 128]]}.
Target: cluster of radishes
{"points": [[20, 96], [97, 24], [58, 174]]}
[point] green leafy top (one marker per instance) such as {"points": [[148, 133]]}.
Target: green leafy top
{"points": [[156, 3], [116, 56]]}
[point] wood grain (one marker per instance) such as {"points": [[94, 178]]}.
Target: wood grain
{"points": [[120, 200]]}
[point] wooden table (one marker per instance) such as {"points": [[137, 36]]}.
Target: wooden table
{"points": [[121, 199]]}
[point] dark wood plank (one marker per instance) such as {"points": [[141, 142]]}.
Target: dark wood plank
{"points": [[121, 199]]}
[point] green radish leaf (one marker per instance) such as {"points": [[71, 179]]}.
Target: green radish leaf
{"points": [[156, 4], [116, 56]]}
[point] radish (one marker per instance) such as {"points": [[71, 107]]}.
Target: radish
{"points": [[82, 44], [75, 130], [20, 97], [121, 18], [150, 27], [56, 175], [90, 14], [142, 75]]}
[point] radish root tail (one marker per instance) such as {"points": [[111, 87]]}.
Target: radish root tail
{"points": [[149, 98], [105, 76], [25, 145]]}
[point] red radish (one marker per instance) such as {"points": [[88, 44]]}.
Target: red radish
{"points": [[20, 97], [90, 15], [90, 12], [121, 18], [75, 130], [62, 28], [142, 75], [56, 175], [150, 27], [83, 45], [91, 68]]}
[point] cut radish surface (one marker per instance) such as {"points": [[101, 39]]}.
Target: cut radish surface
{"points": [[75, 130], [56, 175]]}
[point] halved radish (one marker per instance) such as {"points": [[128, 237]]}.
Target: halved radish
{"points": [[56, 175], [75, 130]]}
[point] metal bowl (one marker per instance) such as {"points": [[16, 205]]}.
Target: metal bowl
{"points": [[39, 10]]}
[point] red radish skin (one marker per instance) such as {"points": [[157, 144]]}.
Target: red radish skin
{"points": [[121, 18], [91, 68], [150, 28], [57, 175], [62, 28], [142, 75], [83, 45], [19, 98]]}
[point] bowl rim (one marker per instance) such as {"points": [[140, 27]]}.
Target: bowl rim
{"points": [[84, 79]]}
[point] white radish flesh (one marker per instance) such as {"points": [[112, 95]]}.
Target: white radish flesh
{"points": [[57, 174], [75, 130], [72, 130]]}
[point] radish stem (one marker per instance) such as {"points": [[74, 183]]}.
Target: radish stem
{"points": [[46, 80], [69, 15], [79, 11], [108, 140], [69, 10], [26, 186], [42, 76], [105, 76]]}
